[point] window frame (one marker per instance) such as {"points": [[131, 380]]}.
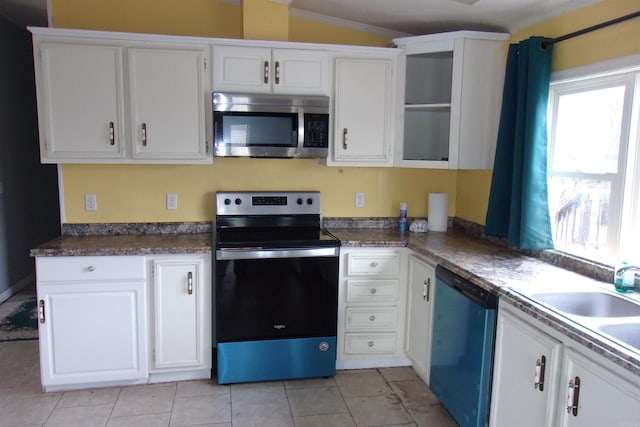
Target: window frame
{"points": [[623, 212]]}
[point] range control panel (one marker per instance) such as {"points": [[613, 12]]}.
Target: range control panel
{"points": [[268, 203]]}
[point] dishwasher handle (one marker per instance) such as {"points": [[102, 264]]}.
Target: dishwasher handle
{"points": [[259, 253]]}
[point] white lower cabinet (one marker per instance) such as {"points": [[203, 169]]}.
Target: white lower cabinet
{"points": [[535, 372], [180, 315], [92, 328], [371, 307], [420, 300]]}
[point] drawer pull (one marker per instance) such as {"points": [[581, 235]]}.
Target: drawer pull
{"points": [[539, 376], [91, 268], [41, 311], [372, 318], [573, 396], [112, 134], [373, 264], [371, 343], [373, 291], [190, 283]]}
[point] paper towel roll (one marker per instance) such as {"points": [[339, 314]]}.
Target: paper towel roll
{"points": [[438, 211]]}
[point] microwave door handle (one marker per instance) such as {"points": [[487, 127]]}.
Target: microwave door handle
{"points": [[300, 130]]}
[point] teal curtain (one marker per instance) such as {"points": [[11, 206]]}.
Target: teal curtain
{"points": [[518, 204]]}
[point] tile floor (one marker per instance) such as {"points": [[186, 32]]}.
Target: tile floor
{"points": [[368, 397]]}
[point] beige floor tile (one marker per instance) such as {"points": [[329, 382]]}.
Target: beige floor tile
{"points": [[144, 400], [149, 420], [310, 382], [316, 401], [401, 373], [80, 416], [367, 383], [326, 420], [100, 396], [196, 410], [201, 388], [282, 420], [17, 411], [422, 404], [263, 406], [377, 410]]}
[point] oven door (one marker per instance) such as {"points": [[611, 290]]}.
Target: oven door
{"points": [[276, 294]]}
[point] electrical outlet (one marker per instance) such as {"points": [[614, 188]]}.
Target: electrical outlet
{"points": [[90, 202], [172, 201], [359, 199]]}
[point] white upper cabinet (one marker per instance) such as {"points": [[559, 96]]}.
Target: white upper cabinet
{"points": [[364, 106], [266, 70], [167, 99], [80, 101], [107, 100], [452, 91]]}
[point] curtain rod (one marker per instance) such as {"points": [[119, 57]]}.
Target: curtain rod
{"points": [[546, 43]]}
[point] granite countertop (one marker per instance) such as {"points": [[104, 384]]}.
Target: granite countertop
{"points": [[501, 271]]}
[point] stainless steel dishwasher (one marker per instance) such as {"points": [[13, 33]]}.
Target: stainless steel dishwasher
{"points": [[464, 319]]}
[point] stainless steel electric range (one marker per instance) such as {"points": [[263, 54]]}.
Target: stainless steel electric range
{"points": [[276, 287]]}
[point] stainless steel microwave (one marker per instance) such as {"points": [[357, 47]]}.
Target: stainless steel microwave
{"points": [[257, 125]]}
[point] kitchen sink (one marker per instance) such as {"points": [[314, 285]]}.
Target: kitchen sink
{"points": [[589, 304], [628, 333]]}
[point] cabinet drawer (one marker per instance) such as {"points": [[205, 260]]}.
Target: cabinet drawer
{"points": [[370, 343], [89, 268], [378, 264], [372, 318], [372, 290]]}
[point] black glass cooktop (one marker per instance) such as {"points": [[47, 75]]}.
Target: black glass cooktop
{"points": [[274, 238]]}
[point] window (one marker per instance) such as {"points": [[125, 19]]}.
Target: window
{"points": [[594, 164]]}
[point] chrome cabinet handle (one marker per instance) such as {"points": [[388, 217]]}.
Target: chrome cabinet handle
{"points": [[373, 264], [190, 283], [41, 311], [91, 268], [266, 72], [112, 133], [344, 138], [372, 318], [573, 396], [426, 289], [373, 291], [144, 134], [371, 343], [538, 381], [277, 72]]}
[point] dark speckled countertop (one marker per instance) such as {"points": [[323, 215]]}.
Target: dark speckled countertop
{"points": [[499, 270]]}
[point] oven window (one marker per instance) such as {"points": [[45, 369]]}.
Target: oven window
{"points": [[260, 299], [258, 129]]}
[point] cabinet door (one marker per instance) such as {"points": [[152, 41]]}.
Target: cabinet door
{"points": [[243, 69], [363, 111], [516, 399], [602, 398], [167, 96], [179, 312], [80, 101], [92, 332], [300, 72], [420, 313]]}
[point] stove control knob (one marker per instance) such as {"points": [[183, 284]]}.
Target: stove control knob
{"points": [[309, 201], [299, 201], [227, 202], [238, 201]]}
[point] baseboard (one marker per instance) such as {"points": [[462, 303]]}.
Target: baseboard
{"points": [[17, 287], [372, 363]]}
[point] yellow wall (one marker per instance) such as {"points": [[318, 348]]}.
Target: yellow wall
{"points": [[136, 193]]}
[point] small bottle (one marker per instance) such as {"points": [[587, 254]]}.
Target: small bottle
{"points": [[403, 216], [623, 280]]}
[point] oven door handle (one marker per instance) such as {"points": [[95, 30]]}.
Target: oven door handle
{"points": [[234, 254]]}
